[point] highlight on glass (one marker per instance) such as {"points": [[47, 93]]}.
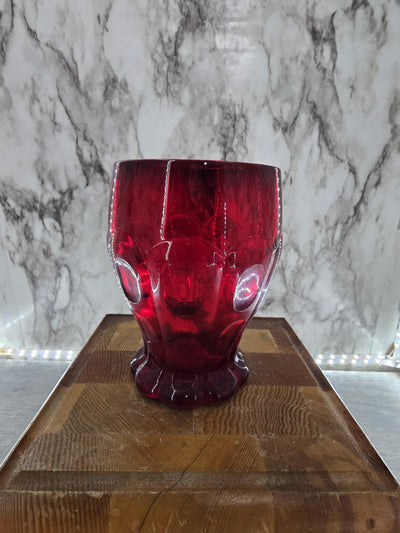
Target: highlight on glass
{"points": [[194, 244]]}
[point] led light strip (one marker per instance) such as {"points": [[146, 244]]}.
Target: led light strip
{"points": [[397, 340], [352, 361], [325, 361], [38, 355]]}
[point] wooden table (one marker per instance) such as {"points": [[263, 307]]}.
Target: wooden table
{"points": [[284, 455]]}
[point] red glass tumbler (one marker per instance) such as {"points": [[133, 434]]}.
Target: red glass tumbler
{"points": [[194, 244]]}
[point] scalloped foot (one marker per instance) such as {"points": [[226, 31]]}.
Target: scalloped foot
{"points": [[185, 390]]}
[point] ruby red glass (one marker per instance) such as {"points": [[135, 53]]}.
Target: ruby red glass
{"points": [[194, 245]]}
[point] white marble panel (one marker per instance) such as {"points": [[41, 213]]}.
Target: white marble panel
{"points": [[310, 87], [11, 333]]}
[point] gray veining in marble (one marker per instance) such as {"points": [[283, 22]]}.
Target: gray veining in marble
{"points": [[311, 87]]}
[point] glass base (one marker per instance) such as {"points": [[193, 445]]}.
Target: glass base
{"points": [[185, 390]]}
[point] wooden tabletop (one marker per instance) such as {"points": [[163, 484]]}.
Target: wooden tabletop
{"points": [[284, 455]]}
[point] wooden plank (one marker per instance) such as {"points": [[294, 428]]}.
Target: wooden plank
{"points": [[283, 455]]}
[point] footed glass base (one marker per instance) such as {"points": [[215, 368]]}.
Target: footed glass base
{"points": [[186, 389]]}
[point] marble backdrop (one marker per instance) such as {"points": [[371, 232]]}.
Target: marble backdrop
{"points": [[312, 87]]}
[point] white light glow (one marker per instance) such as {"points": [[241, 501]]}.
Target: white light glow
{"points": [[343, 360], [37, 354]]}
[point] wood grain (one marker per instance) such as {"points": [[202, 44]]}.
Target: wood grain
{"points": [[283, 455]]}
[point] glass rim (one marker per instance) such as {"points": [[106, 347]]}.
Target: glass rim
{"points": [[189, 161]]}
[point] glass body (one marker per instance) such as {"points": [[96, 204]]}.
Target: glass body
{"points": [[194, 245]]}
